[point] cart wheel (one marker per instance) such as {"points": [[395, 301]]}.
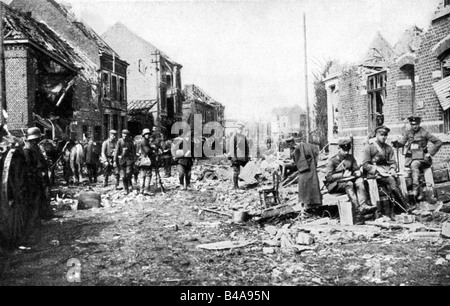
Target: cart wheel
{"points": [[16, 210]]}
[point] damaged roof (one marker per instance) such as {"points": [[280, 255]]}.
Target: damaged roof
{"points": [[87, 30], [380, 53], [20, 26], [140, 106]]}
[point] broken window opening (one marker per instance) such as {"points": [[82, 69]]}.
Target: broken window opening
{"points": [[121, 89], [106, 127], [106, 86], [114, 87], [376, 85]]}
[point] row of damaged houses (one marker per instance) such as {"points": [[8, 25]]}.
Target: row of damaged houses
{"points": [[392, 83], [66, 79]]}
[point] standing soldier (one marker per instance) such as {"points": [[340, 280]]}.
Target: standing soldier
{"points": [[37, 166], [379, 163], [108, 151], [343, 175], [418, 156], [305, 157], [166, 156], [124, 157], [239, 153], [143, 151], [184, 160], [92, 156]]}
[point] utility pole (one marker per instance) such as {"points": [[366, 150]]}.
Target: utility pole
{"points": [[156, 61], [308, 124], [2, 70]]}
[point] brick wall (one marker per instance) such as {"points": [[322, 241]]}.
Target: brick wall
{"points": [[425, 95], [399, 99], [427, 63], [352, 106], [17, 89]]}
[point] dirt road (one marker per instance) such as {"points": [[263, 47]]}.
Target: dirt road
{"points": [[152, 240]]}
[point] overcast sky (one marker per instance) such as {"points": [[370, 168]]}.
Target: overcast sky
{"points": [[248, 55]]}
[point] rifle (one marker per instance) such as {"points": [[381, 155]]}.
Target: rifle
{"points": [[157, 175]]}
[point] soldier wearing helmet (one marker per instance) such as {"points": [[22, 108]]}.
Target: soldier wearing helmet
{"points": [[37, 168], [143, 151], [124, 157], [108, 151]]}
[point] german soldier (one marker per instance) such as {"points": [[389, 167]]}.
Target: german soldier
{"points": [[379, 163], [418, 156], [343, 175], [124, 157], [91, 158], [166, 156], [239, 150], [144, 163], [37, 166], [108, 151], [182, 153]]}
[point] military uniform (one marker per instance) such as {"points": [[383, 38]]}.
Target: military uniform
{"points": [[418, 156], [379, 163], [124, 158], [108, 152], [145, 170], [36, 167], [184, 160], [92, 156], [337, 183], [166, 157], [239, 150]]}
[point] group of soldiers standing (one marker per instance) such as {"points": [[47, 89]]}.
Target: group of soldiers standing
{"points": [[137, 159]]}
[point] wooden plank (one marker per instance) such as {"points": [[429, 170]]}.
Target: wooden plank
{"points": [[428, 174], [402, 184], [373, 191], [281, 210], [345, 213], [225, 245]]}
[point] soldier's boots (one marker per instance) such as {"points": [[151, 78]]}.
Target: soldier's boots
{"points": [[417, 193], [125, 185], [235, 182], [398, 195], [117, 182], [380, 210], [389, 210]]}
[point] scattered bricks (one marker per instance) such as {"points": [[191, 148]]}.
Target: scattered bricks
{"points": [[268, 250], [88, 200], [405, 219], [272, 230], [304, 239], [446, 230]]}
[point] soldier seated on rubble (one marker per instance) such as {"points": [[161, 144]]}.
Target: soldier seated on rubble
{"points": [[379, 163], [343, 175]]}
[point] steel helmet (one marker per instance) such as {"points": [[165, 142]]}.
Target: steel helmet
{"points": [[33, 133], [145, 131]]}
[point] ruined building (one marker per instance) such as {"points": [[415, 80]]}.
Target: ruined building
{"points": [[41, 71], [198, 101], [154, 81], [98, 99]]}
